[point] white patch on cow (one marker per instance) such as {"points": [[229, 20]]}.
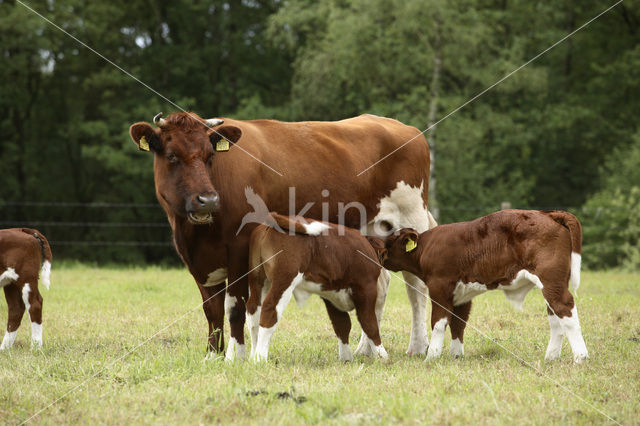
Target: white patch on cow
{"points": [[344, 351], [457, 348], [404, 208], [25, 297], [517, 290], [286, 295], [216, 277], [315, 228], [571, 328], [378, 351], [45, 274], [36, 335], [576, 260], [264, 336], [341, 299], [555, 340], [9, 338], [235, 350], [253, 322], [437, 338], [8, 276], [229, 303], [464, 292]]}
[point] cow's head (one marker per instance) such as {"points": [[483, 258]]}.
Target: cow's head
{"points": [[401, 246], [184, 146]]}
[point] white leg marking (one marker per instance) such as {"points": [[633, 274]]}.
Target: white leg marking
{"points": [[344, 351], [416, 290], [36, 335], [233, 348], [264, 336], [576, 260], [437, 337], [457, 348], [286, 295], [25, 297], [45, 274], [8, 276], [364, 348], [378, 351], [555, 340], [571, 327], [8, 339], [384, 278], [253, 322]]}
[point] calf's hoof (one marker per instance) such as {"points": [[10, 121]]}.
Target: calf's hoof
{"points": [[580, 358]]}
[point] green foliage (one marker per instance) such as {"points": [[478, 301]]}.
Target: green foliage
{"points": [[541, 138], [612, 227]]}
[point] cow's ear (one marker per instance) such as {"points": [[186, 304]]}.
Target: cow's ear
{"points": [[230, 133], [145, 136]]}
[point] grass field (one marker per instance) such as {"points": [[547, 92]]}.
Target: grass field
{"points": [[93, 316]]}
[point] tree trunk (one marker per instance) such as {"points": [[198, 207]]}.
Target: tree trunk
{"points": [[432, 117]]}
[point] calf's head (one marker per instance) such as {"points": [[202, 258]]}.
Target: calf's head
{"points": [[401, 246], [184, 146]]}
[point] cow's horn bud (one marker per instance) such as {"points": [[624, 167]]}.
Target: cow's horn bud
{"points": [[212, 122], [160, 122]]}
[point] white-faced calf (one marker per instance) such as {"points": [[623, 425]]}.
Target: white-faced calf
{"points": [[511, 250], [21, 251], [303, 257]]}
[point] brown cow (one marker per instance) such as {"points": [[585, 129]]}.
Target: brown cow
{"points": [[319, 258], [21, 251], [511, 250], [206, 179]]}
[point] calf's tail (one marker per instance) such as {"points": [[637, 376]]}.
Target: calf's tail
{"points": [[572, 223], [47, 257]]}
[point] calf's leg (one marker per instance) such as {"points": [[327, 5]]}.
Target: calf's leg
{"points": [[384, 278], [33, 302], [341, 322], [459, 320], [258, 287], [562, 305], [16, 311], [441, 309], [365, 304], [274, 304]]}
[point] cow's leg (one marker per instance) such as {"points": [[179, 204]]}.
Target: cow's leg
{"points": [[555, 340], [365, 304], [16, 311], [459, 320], [280, 293], [441, 309], [364, 348], [564, 308], [213, 306], [237, 294], [258, 287], [341, 322], [417, 292], [33, 302]]}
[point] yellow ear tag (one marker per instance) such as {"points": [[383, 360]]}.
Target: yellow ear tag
{"points": [[222, 145], [411, 245], [144, 145]]}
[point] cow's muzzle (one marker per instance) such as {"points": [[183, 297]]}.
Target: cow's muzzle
{"points": [[200, 208]]}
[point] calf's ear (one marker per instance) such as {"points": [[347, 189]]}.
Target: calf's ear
{"points": [[409, 238], [145, 136]]}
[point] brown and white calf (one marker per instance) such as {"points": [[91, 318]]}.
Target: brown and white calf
{"points": [[511, 250], [21, 252], [301, 257]]}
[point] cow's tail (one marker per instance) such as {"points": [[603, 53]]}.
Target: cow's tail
{"points": [[47, 257], [296, 225], [572, 223]]}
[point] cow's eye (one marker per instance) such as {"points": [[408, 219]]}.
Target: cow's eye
{"points": [[172, 158]]}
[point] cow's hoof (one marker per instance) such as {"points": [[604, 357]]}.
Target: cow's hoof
{"points": [[580, 358]]}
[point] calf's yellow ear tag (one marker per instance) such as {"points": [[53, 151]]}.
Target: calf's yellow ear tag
{"points": [[144, 145], [222, 145], [411, 245]]}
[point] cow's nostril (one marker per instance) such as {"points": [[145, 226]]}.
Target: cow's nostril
{"points": [[202, 200]]}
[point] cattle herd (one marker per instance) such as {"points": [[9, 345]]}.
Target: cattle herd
{"points": [[262, 211]]}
